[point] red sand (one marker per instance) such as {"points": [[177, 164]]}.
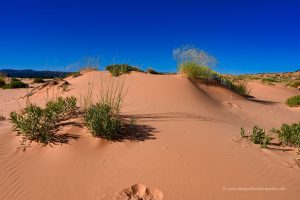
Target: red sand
{"points": [[192, 148]]}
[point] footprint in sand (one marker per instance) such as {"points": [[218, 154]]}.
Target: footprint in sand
{"points": [[140, 192]]}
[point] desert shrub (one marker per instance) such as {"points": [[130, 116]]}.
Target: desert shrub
{"points": [[15, 84], [38, 124], [289, 134], [152, 71], [240, 87], [242, 133], [101, 121], [195, 71], [119, 69], [102, 118], [293, 101], [75, 74], [270, 80], [2, 82], [38, 80], [258, 136], [294, 84]]}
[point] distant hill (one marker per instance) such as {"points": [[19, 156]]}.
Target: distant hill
{"points": [[28, 73]]}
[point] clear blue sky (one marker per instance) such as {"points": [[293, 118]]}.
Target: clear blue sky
{"points": [[244, 35]]}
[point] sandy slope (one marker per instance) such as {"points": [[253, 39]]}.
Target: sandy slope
{"points": [[190, 148]]}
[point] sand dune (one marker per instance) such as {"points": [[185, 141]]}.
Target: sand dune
{"points": [[190, 147]]}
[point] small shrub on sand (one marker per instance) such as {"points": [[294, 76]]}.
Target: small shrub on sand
{"points": [[152, 71], [75, 74], [289, 134], [258, 136], [38, 124], [102, 118], [38, 80], [2, 82], [119, 69], [240, 87], [294, 84], [15, 84], [293, 101], [101, 121]]}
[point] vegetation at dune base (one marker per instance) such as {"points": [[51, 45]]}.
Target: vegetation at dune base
{"points": [[289, 134], [293, 101], [38, 80], [119, 69], [15, 83], [257, 136], [2, 81], [102, 118], [295, 84], [197, 66], [39, 124]]}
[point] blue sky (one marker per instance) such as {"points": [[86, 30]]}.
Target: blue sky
{"points": [[246, 36]]}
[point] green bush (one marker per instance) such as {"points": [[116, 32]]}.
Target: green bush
{"points": [[240, 87], [38, 124], [101, 121], [38, 80], [75, 74], [2, 82], [195, 71], [294, 84], [119, 69], [289, 134], [293, 101], [152, 71], [258, 136], [15, 84]]}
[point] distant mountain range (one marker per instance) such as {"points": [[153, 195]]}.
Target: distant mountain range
{"points": [[28, 73]]}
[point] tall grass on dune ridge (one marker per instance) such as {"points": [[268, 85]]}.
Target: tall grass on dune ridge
{"points": [[196, 64]]}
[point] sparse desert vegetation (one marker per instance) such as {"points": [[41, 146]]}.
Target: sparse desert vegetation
{"points": [[38, 80], [289, 134], [15, 83], [257, 136], [293, 101], [119, 69], [194, 63], [39, 124]]}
